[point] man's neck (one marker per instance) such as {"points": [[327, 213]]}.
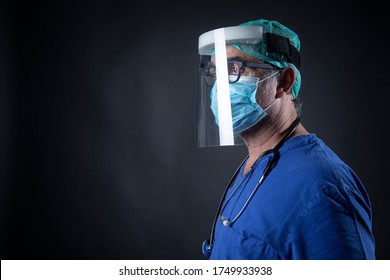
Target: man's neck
{"points": [[267, 138]]}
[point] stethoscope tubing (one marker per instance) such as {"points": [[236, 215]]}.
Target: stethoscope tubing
{"points": [[266, 171]]}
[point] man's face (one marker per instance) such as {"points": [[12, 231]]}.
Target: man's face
{"points": [[234, 54]]}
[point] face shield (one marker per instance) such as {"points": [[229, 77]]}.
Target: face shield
{"points": [[223, 90]]}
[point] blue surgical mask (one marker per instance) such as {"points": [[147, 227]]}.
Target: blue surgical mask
{"points": [[245, 110]]}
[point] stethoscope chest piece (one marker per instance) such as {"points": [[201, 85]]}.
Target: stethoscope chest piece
{"points": [[206, 248]]}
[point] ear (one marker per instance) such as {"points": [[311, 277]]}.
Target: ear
{"points": [[286, 81]]}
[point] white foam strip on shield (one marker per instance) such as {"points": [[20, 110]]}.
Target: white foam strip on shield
{"points": [[223, 95]]}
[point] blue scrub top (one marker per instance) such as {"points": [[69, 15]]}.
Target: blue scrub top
{"points": [[310, 206]]}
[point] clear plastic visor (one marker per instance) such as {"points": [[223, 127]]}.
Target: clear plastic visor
{"points": [[216, 74]]}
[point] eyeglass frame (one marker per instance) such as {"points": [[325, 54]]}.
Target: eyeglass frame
{"points": [[265, 66]]}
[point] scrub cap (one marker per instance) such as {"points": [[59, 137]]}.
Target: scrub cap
{"points": [[260, 50]]}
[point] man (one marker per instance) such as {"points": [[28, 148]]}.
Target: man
{"points": [[292, 197]]}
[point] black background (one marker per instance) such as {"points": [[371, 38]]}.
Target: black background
{"points": [[98, 120]]}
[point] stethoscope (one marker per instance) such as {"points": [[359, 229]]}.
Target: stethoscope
{"points": [[208, 243]]}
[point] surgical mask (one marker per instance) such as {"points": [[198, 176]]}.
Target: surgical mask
{"points": [[245, 110]]}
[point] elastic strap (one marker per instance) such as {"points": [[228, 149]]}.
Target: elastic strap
{"points": [[280, 44]]}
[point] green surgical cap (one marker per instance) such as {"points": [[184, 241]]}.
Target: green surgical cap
{"points": [[260, 50]]}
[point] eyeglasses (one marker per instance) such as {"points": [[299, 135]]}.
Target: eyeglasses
{"points": [[235, 69]]}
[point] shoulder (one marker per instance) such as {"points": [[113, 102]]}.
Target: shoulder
{"points": [[311, 159]]}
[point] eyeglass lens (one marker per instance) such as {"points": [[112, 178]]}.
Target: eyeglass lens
{"points": [[234, 71]]}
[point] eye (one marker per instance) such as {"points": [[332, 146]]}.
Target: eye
{"points": [[233, 68]]}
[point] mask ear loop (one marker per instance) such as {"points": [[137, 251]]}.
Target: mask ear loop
{"points": [[266, 78], [273, 102], [270, 105]]}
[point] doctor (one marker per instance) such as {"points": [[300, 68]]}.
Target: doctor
{"points": [[292, 197]]}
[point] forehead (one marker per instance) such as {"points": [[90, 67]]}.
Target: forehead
{"points": [[234, 52]]}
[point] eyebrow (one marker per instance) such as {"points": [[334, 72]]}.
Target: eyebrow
{"points": [[237, 58]]}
